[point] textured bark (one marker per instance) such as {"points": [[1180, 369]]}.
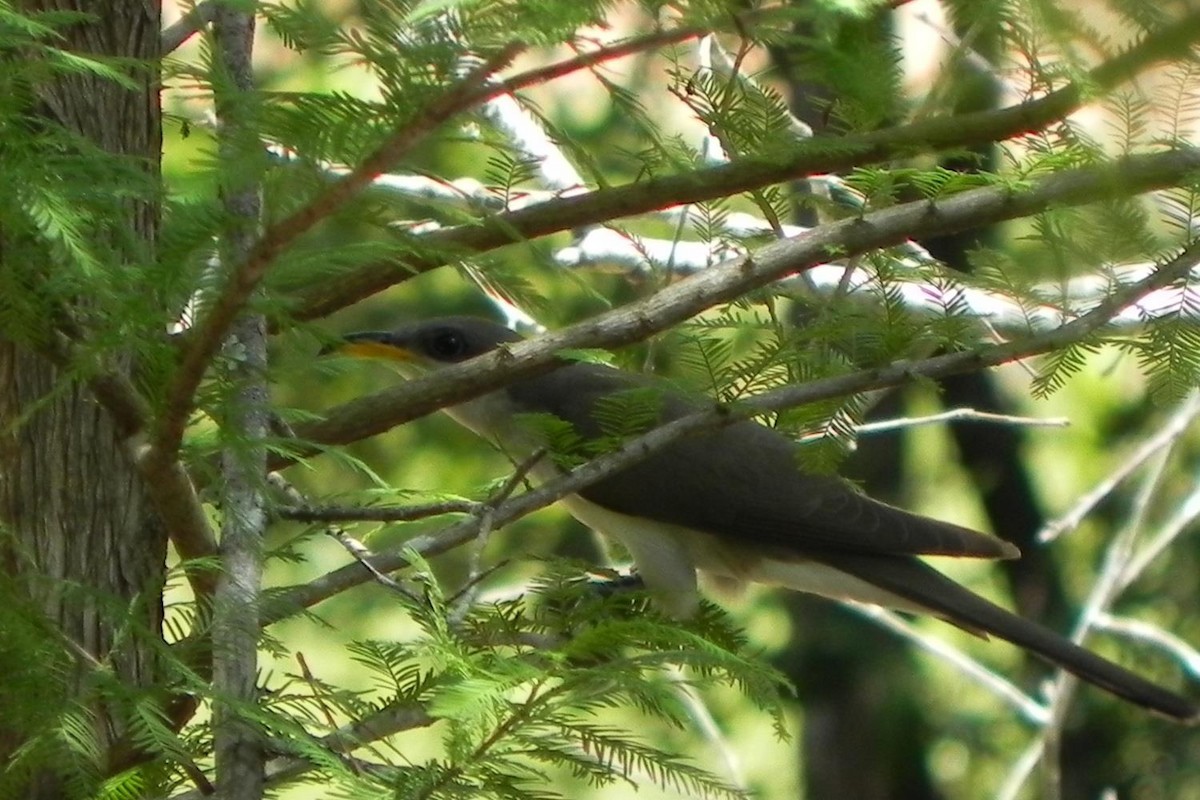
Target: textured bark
{"points": [[79, 540], [239, 749]]}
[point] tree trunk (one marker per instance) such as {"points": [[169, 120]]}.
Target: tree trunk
{"points": [[80, 545]]}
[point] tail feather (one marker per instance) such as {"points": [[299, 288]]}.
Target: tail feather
{"points": [[924, 586]]}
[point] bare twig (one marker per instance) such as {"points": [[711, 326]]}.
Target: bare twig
{"points": [[1181, 651], [529, 139], [307, 513], [1137, 174], [304, 512], [188, 25], [315, 689], [1165, 436], [1026, 706], [466, 595], [707, 725], [1185, 515], [951, 415], [962, 415], [611, 248], [1108, 586], [609, 52], [963, 53], [363, 555], [1010, 789]]}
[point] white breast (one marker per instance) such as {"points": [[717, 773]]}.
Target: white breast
{"points": [[668, 557]]}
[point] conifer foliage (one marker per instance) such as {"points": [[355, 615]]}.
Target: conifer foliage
{"points": [[185, 207]]}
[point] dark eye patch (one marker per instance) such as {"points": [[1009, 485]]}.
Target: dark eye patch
{"points": [[447, 344]]}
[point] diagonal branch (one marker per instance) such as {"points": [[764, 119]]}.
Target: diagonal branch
{"points": [[187, 26], [716, 416], [375, 413], [595, 58], [167, 482], [818, 155], [386, 722], [202, 343], [1029, 708]]}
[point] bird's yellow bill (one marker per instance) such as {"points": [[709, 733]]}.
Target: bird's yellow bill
{"points": [[376, 350]]}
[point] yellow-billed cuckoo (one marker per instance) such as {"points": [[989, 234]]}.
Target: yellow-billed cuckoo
{"points": [[734, 505]]}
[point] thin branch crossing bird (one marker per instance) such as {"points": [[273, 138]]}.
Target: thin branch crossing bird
{"points": [[735, 506]]}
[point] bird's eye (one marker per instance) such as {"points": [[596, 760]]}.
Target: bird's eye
{"points": [[447, 345]]}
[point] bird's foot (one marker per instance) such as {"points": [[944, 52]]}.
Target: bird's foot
{"points": [[609, 582]]}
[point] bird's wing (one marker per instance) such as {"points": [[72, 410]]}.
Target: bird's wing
{"points": [[742, 482]]}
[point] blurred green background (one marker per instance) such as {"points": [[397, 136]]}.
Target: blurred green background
{"points": [[973, 738]]}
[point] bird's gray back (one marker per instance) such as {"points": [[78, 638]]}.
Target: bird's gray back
{"points": [[766, 500]]}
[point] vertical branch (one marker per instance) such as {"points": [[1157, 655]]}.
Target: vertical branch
{"points": [[238, 744]]}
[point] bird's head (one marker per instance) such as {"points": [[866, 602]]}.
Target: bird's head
{"points": [[428, 344]]}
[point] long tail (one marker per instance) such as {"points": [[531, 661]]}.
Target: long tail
{"points": [[916, 581]]}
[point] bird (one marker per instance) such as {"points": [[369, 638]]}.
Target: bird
{"points": [[734, 505]]}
